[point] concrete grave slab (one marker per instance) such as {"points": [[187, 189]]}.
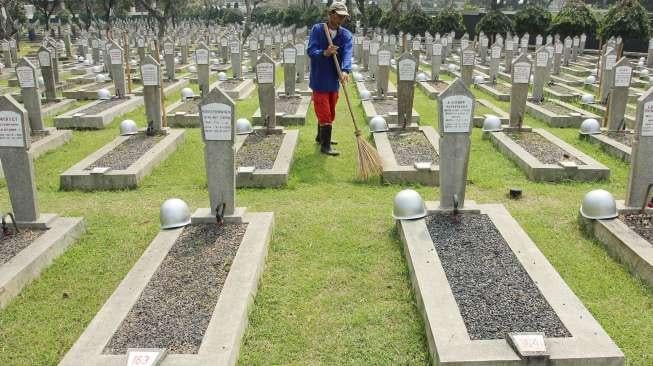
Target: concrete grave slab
{"points": [[86, 117], [535, 170], [447, 336], [611, 146], [277, 175], [500, 91], [77, 177], [53, 139], [298, 117], [237, 88], [370, 111], [483, 106], [222, 338], [557, 113]]}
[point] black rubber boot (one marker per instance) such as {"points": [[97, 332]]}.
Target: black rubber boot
{"points": [[325, 134], [319, 140]]}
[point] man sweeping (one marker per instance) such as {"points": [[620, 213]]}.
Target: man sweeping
{"points": [[324, 79]]}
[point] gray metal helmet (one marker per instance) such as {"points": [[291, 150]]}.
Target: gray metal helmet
{"points": [[408, 205], [478, 79], [590, 126], [378, 124], [590, 80], [598, 204], [422, 77], [192, 69], [187, 93], [492, 123], [243, 126], [222, 76], [366, 95], [174, 213], [355, 67], [128, 127], [104, 94], [587, 99], [100, 78], [359, 77]]}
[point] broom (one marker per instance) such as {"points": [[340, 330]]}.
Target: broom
{"points": [[369, 161]]}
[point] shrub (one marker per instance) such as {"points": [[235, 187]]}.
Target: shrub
{"points": [[447, 20], [414, 21], [573, 19], [532, 19], [628, 19], [390, 21], [494, 22]]}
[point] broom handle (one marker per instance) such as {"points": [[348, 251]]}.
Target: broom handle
{"points": [[344, 88]]}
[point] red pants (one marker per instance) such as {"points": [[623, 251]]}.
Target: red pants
{"points": [[324, 104]]}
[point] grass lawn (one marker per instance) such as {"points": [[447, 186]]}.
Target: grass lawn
{"points": [[336, 288]]}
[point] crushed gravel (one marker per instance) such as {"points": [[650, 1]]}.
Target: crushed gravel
{"points": [[259, 150], [104, 105], [541, 148], [189, 106], [229, 84], [623, 137], [126, 153], [12, 244], [176, 306], [641, 223], [439, 86], [385, 106], [494, 293], [411, 147], [287, 105]]}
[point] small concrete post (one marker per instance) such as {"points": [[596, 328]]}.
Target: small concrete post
{"points": [[235, 55], [575, 48], [267, 45], [289, 70], [566, 53], [521, 74], [302, 60], [619, 95], [641, 159], [373, 58], [224, 49], [436, 60], [483, 48], [538, 41], [608, 63], [184, 50], [140, 48], [583, 40], [383, 70], [540, 74], [67, 43], [523, 45], [45, 63], [151, 71], [54, 53], [29, 90], [557, 57], [202, 62], [455, 113], [13, 48], [16, 161], [217, 113], [116, 57], [406, 70], [467, 59], [649, 57], [6, 54], [510, 46], [266, 79], [366, 53], [495, 59], [169, 58], [416, 49], [253, 53]]}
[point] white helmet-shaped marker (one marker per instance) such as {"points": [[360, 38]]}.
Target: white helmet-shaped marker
{"points": [[104, 94], [587, 99], [366, 95], [174, 213], [222, 76], [590, 126], [452, 67], [422, 77], [478, 79], [408, 205], [128, 127], [590, 80], [100, 78], [192, 69], [492, 123], [378, 124], [187, 93], [243, 126], [598, 204], [355, 67], [358, 76]]}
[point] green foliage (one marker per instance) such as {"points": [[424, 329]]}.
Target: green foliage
{"points": [[447, 20], [232, 15], [532, 19], [574, 19], [390, 20], [494, 22], [414, 21], [293, 15], [628, 19], [372, 17], [313, 14]]}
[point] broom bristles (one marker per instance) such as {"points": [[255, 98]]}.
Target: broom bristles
{"points": [[369, 161]]}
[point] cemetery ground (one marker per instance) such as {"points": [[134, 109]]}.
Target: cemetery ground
{"points": [[336, 288]]}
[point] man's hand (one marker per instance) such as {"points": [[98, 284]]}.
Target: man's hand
{"points": [[331, 50], [345, 78]]}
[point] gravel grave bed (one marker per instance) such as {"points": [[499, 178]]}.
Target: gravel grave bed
{"points": [[229, 84], [190, 106], [493, 291], [127, 152], [542, 149], [412, 147], [259, 150], [480, 109], [641, 223], [287, 105], [104, 105], [559, 89], [35, 136], [502, 88], [15, 242], [176, 306], [623, 137], [439, 86], [385, 106], [556, 108]]}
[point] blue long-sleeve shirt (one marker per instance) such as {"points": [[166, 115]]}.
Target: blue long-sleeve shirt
{"points": [[324, 76]]}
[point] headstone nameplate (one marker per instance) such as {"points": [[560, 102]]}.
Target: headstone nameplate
{"points": [[11, 130], [457, 112], [406, 70], [522, 72], [44, 58], [150, 74], [216, 121], [25, 77], [265, 73], [622, 76], [647, 119]]}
